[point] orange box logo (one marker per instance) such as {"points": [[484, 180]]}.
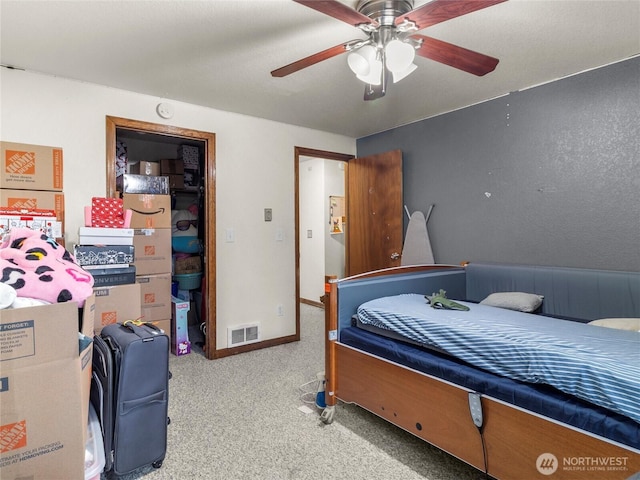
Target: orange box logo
{"points": [[20, 163], [107, 318], [149, 250], [24, 203], [149, 298], [13, 436]]}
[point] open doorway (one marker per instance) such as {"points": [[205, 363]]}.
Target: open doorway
{"points": [[320, 227], [205, 142]]}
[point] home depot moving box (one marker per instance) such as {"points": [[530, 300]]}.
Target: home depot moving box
{"points": [[152, 250], [31, 167], [34, 199], [116, 304], [164, 325], [155, 296], [45, 378]]}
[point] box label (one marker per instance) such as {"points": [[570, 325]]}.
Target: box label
{"points": [[13, 436], [57, 169], [22, 203], [33, 167], [17, 340], [107, 318], [20, 163], [16, 439]]}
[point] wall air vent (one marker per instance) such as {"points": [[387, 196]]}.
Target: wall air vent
{"points": [[243, 334]]}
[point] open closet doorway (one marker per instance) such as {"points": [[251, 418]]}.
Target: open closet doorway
{"points": [[320, 221], [205, 142]]}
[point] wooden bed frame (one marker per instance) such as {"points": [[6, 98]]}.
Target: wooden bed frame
{"points": [[513, 444]]}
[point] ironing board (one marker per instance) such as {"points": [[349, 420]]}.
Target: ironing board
{"points": [[417, 247]]}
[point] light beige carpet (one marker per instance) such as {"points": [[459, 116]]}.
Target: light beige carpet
{"points": [[238, 418]]}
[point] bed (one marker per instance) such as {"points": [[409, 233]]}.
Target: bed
{"points": [[511, 428]]}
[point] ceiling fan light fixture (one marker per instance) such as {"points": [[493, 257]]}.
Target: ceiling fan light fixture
{"points": [[375, 73], [397, 76], [361, 60], [399, 55], [358, 64]]}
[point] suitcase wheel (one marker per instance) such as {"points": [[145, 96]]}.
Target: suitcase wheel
{"points": [[157, 464]]}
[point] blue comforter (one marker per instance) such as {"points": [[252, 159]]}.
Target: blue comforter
{"points": [[599, 365]]}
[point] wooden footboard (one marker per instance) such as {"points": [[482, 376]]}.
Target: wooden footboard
{"points": [[521, 444], [431, 409]]}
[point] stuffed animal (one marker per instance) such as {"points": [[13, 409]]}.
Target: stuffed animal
{"points": [[440, 300], [184, 232]]}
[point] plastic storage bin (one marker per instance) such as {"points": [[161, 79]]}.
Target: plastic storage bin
{"points": [[185, 244], [188, 281], [94, 460]]}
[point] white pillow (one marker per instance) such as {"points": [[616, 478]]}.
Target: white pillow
{"points": [[523, 302], [620, 323]]}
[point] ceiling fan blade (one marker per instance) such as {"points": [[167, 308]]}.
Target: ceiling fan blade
{"points": [[310, 60], [338, 10], [439, 11], [454, 56]]}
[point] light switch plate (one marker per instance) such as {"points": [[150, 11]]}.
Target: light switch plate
{"points": [[268, 215]]}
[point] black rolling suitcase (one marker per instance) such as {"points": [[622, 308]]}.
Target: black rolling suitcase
{"points": [[130, 393]]}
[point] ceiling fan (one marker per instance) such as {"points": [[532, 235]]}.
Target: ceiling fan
{"points": [[392, 42]]}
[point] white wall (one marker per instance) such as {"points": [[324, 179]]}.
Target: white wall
{"points": [[255, 170], [312, 253]]}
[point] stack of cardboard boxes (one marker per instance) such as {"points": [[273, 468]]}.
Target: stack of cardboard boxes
{"points": [[117, 294], [146, 193], [45, 369], [45, 377], [31, 178], [132, 266]]}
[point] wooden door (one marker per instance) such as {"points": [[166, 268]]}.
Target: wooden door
{"points": [[374, 212]]}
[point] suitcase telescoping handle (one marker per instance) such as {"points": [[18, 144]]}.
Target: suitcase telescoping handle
{"points": [[138, 323]]}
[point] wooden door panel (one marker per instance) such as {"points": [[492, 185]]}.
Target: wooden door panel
{"points": [[374, 212]]}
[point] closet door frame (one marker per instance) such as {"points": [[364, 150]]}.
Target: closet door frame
{"points": [[112, 125]]}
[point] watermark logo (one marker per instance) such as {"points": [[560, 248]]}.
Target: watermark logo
{"points": [[547, 463]]}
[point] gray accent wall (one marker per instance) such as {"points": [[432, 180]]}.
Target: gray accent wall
{"points": [[546, 176]]}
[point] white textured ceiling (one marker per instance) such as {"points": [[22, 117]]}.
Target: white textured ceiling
{"points": [[219, 53]]}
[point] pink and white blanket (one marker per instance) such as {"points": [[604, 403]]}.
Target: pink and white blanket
{"points": [[36, 266]]}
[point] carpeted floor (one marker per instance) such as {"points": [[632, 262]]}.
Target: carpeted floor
{"points": [[238, 418]]}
